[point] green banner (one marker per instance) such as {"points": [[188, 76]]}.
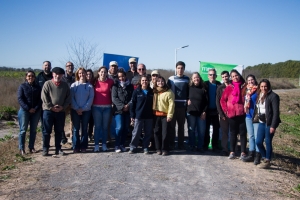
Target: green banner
{"points": [[205, 66]]}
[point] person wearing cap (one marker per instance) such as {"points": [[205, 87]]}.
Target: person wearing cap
{"points": [[154, 75], [133, 69], [56, 98], [112, 72]]}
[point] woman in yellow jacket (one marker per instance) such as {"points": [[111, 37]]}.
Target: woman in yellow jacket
{"points": [[163, 110]]}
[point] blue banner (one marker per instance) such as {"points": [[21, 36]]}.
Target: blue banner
{"points": [[121, 60]]}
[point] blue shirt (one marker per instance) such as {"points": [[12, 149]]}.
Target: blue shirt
{"points": [[212, 95]]}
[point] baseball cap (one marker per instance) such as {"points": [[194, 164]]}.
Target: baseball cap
{"points": [[132, 60], [154, 72], [113, 63]]}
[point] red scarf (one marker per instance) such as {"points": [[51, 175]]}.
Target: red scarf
{"points": [[56, 83], [236, 93]]}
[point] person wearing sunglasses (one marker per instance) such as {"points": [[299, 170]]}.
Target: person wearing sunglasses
{"points": [[141, 70]]}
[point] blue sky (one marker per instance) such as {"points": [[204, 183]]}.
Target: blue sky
{"points": [[231, 32]]}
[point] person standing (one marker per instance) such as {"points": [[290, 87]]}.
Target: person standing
{"points": [[154, 75], [82, 96], [179, 84], [232, 103], [212, 117], [112, 71], [133, 69], [196, 111], [56, 98], [163, 110], [102, 107], [141, 69], [223, 118], [141, 114], [268, 110], [121, 97], [90, 79], [29, 98]]}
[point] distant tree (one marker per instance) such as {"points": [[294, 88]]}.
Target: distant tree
{"points": [[83, 53]]}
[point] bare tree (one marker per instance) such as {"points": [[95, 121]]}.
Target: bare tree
{"points": [[83, 53]]}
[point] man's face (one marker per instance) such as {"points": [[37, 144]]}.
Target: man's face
{"points": [[113, 69], [47, 67], [69, 68], [153, 77], [141, 70], [225, 78], [212, 76], [132, 66], [179, 70], [57, 77]]}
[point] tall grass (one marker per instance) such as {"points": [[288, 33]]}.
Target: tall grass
{"points": [[8, 93]]}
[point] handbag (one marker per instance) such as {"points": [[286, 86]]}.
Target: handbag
{"points": [[258, 116], [255, 118]]}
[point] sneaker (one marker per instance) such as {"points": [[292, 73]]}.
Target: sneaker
{"points": [[146, 151], [265, 165], [104, 148], [231, 156], [59, 152], [165, 153], [117, 149], [123, 149], [96, 149], [45, 152], [22, 152], [158, 152], [131, 151], [32, 150], [243, 156]]}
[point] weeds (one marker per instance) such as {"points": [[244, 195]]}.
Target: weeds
{"points": [[6, 112], [8, 167], [10, 123], [21, 158], [297, 188], [4, 177], [6, 137]]}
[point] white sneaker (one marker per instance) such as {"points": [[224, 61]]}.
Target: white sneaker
{"points": [[123, 149], [96, 149], [104, 148], [117, 149]]}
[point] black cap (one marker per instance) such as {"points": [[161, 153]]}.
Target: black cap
{"points": [[58, 70]]}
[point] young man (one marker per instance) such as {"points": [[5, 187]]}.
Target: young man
{"points": [[212, 117], [223, 119], [56, 98], [179, 84]]}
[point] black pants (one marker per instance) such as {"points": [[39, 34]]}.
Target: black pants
{"points": [[238, 126], [161, 133], [91, 126], [214, 121], [179, 117], [224, 124]]}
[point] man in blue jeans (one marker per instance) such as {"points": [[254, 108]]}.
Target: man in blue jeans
{"points": [[56, 98]]}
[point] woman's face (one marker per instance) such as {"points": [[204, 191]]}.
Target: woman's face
{"points": [[82, 75], [103, 73], [263, 87], [160, 82], [89, 76], [250, 81], [235, 77], [196, 79], [30, 77], [144, 82], [121, 77]]}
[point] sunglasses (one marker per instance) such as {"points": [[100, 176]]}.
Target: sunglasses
{"points": [[141, 69], [155, 75], [211, 74]]}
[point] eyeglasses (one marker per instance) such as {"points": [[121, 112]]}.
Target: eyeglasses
{"points": [[141, 69], [211, 74], [132, 63]]}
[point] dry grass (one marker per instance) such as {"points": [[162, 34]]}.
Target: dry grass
{"points": [[9, 90]]}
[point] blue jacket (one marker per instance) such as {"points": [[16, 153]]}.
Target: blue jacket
{"points": [[82, 96], [141, 107], [252, 105], [180, 88], [29, 96]]}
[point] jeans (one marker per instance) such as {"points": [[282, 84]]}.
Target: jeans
{"points": [[57, 119], [25, 118], [91, 126], [196, 124], [237, 126], [252, 133], [140, 124], [214, 121], [122, 122], [161, 134], [101, 117], [263, 134], [78, 120], [224, 124], [179, 116]]}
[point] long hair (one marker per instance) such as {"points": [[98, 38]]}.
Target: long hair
{"points": [[97, 76], [165, 87], [140, 81], [259, 91], [238, 73], [245, 87], [77, 73], [29, 71], [201, 84]]}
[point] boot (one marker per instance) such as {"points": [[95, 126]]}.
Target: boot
{"points": [[250, 157], [257, 158]]}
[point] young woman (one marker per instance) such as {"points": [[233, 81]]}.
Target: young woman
{"points": [[163, 110], [232, 103], [90, 79], [249, 93], [102, 107], [82, 94], [196, 111], [121, 96], [29, 98], [268, 109], [141, 114]]}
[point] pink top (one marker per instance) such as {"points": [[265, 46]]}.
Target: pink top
{"points": [[103, 92]]}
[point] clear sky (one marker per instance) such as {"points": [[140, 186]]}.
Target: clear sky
{"points": [[231, 31]]}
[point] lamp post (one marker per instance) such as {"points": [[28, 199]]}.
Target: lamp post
{"points": [[176, 55]]}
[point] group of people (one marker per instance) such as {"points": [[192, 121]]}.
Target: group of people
{"points": [[151, 105]]}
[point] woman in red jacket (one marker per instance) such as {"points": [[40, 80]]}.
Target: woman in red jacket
{"points": [[232, 103]]}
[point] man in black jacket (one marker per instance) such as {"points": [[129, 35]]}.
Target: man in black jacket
{"points": [[212, 117]]}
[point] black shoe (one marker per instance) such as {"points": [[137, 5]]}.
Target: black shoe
{"points": [[22, 152], [257, 158], [250, 157], [45, 152], [64, 141], [59, 152], [181, 147]]}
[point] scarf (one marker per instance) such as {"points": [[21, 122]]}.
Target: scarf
{"points": [[156, 91], [236, 93], [123, 84], [56, 83], [249, 91]]}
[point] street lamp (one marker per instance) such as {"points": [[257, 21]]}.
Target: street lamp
{"points": [[176, 55]]}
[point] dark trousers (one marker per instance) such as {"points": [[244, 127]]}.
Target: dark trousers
{"points": [[179, 117], [91, 126], [224, 124], [214, 121], [50, 119], [161, 133], [238, 126]]}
